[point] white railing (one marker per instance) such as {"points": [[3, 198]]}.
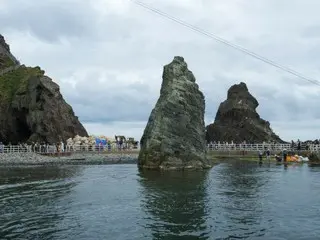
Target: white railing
{"points": [[261, 147], [114, 148], [54, 149]]}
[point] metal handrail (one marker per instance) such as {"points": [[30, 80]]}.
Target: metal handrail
{"points": [[114, 148], [55, 149], [261, 147]]}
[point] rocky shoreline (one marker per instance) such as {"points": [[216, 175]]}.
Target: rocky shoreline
{"points": [[74, 159]]}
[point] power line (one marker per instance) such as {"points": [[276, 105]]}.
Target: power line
{"points": [[221, 40]]}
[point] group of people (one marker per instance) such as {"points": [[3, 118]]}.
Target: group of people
{"points": [[283, 157], [39, 147], [266, 153]]}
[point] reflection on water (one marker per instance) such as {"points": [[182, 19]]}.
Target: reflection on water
{"points": [[237, 193], [177, 202], [29, 195], [234, 200]]}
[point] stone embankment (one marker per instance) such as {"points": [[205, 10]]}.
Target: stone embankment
{"points": [[76, 158]]}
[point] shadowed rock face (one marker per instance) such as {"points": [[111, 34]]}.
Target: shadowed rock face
{"points": [[3, 43], [237, 119], [314, 157], [174, 137], [31, 105]]}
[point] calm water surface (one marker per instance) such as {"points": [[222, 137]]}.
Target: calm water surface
{"points": [[231, 201]]}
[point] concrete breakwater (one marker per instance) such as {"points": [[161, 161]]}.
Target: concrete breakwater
{"points": [[31, 158]]}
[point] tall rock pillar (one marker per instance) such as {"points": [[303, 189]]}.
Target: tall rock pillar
{"points": [[174, 137]]}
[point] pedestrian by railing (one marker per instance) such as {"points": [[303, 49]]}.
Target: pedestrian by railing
{"points": [[261, 147], [22, 148], [54, 149]]}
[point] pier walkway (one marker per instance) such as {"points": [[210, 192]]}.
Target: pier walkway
{"points": [[50, 149]]}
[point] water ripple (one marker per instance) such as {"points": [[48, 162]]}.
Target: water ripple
{"points": [[232, 201]]}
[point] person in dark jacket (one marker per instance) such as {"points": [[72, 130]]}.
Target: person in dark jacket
{"points": [[278, 158], [268, 154], [285, 154], [260, 156]]}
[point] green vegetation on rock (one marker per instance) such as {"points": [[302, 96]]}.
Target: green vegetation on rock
{"points": [[15, 80], [174, 138], [5, 62]]}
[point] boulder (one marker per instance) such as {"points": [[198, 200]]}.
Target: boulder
{"points": [[237, 120], [32, 107], [174, 137], [314, 157]]}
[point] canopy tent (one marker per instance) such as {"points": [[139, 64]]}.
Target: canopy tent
{"points": [[101, 141]]}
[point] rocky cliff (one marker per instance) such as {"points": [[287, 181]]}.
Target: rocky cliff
{"points": [[237, 119], [174, 137], [31, 105]]}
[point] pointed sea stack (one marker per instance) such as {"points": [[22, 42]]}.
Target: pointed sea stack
{"points": [[238, 121], [174, 137], [31, 105]]}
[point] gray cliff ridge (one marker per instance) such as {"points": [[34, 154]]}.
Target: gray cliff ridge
{"points": [[174, 137], [237, 119], [31, 105]]}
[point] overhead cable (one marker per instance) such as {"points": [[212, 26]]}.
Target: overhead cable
{"points": [[221, 40]]}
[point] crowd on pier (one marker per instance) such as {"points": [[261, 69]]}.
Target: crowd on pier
{"points": [[121, 143], [85, 144], [244, 145]]}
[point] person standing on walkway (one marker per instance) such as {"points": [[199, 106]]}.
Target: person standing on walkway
{"points": [[285, 154], [268, 154], [260, 156]]}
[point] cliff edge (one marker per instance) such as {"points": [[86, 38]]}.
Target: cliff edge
{"points": [[31, 105]]}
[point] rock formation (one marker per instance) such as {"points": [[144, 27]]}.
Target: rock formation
{"points": [[31, 105], [314, 157], [174, 137], [238, 121]]}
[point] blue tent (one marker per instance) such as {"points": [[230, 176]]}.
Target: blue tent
{"points": [[98, 141], [102, 141]]}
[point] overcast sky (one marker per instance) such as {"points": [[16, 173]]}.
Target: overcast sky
{"points": [[108, 56]]}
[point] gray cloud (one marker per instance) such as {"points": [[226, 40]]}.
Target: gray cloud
{"points": [[108, 56], [48, 20]]}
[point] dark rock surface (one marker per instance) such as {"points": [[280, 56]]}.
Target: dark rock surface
{"points": [[6, 58], [32, 107], [314, 157], [237, 119], [174, 137], [3, 43]]}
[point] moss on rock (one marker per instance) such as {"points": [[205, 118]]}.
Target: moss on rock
{"points": [[17, 80], [5, 62]]}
